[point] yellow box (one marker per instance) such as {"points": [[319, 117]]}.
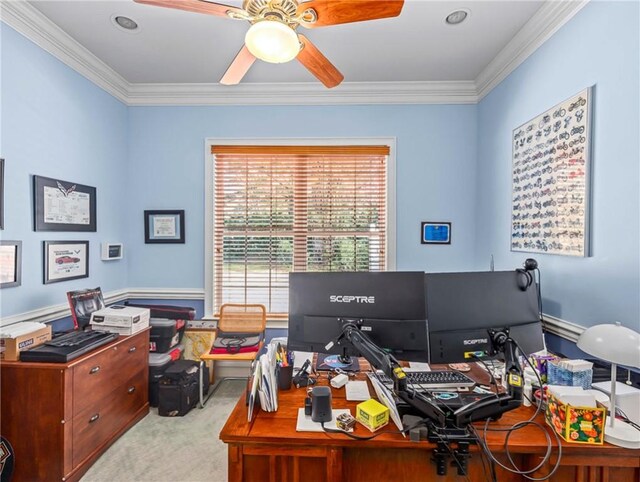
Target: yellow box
{"points": [[582, 425], [372, 414], [10, 348]]}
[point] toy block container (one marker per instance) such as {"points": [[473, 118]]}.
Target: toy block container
{"points": [[372, 414], [582, 425]]}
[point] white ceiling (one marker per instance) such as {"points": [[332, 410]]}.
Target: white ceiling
{"points": [[174, 46]]}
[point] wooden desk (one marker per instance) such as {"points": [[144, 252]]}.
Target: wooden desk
{"points": [[270, 449]]}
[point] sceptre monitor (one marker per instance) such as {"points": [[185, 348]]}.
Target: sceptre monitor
{"points": [[463, 307], [388, 306]]}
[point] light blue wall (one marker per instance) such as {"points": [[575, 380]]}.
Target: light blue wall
{"points": [[436, 172], [56, 123], [600, 47]]}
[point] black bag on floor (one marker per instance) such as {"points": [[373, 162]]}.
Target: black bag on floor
{"points": [[179, 388]]}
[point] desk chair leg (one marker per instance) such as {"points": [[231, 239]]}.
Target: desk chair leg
{"points": [[214, 387]]}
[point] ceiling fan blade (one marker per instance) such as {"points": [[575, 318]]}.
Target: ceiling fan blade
{"points": [[318, 64], [334, 12], [197, 6], [239, 67]]}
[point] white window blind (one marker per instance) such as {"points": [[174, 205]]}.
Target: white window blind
{"points": [[279, 209]]}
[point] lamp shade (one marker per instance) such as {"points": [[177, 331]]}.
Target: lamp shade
{"points": [[613, 343], [272, 41]]}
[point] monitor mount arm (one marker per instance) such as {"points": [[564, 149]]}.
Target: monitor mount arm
{"points": [[493, 408], [444, 427], [386, 362]]}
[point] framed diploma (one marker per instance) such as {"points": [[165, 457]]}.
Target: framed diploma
{"points": [[10, 263], [65, 260], [63, 206], [1, 193], [164, 227]]}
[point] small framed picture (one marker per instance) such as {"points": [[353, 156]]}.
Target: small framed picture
{"points": [[435, 233], [63, 206], [65, 260], [1, 193], [10, 263], [164, 227]]}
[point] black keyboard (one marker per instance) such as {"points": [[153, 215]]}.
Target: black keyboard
{"points": [[66, 347], [432, 380]]}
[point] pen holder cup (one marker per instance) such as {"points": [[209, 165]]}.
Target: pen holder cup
{"points": [[285, 374]]}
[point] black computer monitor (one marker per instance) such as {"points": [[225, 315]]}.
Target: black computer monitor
{"points": [[463, 307], [390, 305]]}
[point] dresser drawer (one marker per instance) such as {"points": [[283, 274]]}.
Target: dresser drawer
{"points": [[96, 377], [95, 425]]}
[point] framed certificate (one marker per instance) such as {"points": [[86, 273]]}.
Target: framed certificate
{"points": [[1, 193], [63, 206], [65, 260], [164, 227], [10, 263]]}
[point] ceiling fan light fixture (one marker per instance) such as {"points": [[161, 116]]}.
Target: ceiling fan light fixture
{"points": [[272, 41]]}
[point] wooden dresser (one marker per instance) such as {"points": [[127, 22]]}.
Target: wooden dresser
{"points": [[60, 417]]}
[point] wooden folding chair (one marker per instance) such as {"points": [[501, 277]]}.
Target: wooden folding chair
{"points": [[236, 318]]}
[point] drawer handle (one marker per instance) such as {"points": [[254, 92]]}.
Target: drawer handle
{"points": [[94, 418], [95, 369], [132, 349], [131, 389]]}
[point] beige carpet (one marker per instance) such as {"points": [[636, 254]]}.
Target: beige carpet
{"points": [[180, 449]]}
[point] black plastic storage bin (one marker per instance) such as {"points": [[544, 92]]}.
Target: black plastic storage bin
{"points": [[158, 363], [165, 333], [179, 388]]}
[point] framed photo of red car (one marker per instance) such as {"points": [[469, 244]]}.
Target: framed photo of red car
{"points": [[65, 260], [164, 227], [63, 205]]}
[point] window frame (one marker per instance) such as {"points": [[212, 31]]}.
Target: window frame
{"points": [[209, 211]]}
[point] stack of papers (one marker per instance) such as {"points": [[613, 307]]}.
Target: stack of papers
{"points": [[264, 384]]}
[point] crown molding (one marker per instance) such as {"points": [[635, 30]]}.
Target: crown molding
{"points": [[546, 21], [347, 93], [28, 21]]}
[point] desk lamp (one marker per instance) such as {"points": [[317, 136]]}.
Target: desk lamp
{"points": [[617, 345]]}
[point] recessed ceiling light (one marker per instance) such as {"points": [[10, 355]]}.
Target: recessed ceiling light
{"points": [[125, 24], [457, 17]]}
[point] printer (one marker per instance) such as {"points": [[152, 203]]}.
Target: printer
{"points": [[124, 320]]}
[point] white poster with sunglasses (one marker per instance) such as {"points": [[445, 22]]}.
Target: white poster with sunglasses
{"points": [[550, 184]]}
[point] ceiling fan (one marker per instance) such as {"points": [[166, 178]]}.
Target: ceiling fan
{"points": [[272, 36]]}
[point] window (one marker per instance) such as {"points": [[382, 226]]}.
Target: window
{"points": [[278, 209]]}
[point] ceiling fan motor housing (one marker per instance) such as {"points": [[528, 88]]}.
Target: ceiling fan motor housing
{"points": [[282, 10]]}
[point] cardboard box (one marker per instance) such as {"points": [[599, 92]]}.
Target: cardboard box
{"points": [[582, 425], [10, 348], [372, 414], [121, 316]]}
